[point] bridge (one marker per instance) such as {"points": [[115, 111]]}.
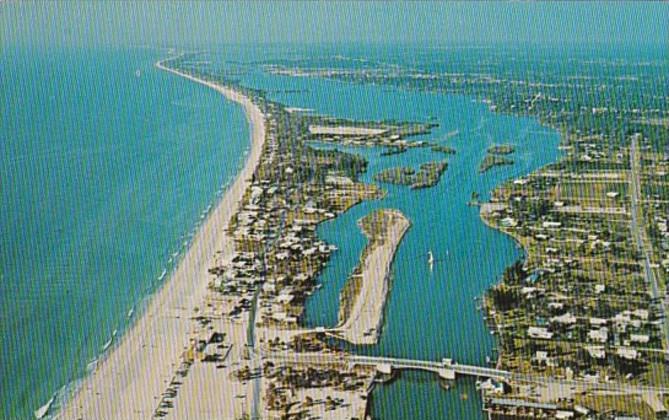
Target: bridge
{"points": [[446, 368], [449, 370]]}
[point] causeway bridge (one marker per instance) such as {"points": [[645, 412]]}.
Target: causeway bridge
{"points": [[446, 368]]}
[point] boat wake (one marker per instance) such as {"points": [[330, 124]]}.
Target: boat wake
{"points": [[41, 412], [109, 343]]}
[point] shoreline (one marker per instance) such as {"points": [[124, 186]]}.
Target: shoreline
{"points": [[118, 387]]}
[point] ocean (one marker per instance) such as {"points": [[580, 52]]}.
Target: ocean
{"points": [[107, 166]]}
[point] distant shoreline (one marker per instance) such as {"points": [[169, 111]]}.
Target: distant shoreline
{"points": [[128, 382]]}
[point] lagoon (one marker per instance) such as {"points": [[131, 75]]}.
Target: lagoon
{"points": [[430, 314]]}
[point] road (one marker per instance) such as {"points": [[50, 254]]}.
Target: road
{"points": [[640, 236], [254, 356], [461, 369]]}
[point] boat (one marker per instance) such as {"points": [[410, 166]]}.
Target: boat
{"points": [[138, 73], [445, 384], [430, 259], [130, 312], [162, 275], [43, 410]]}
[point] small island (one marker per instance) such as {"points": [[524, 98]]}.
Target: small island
{"points": [[428, 175], [495, 157], [501, 149], [491, 161], [394, 150], [447, 150]]}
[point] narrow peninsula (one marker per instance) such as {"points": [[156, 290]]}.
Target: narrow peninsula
{"points": [[363, 298]]}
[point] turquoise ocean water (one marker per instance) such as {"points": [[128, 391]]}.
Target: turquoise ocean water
{"points": [[106, 167]]}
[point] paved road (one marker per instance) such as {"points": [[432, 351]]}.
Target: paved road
{"points": [[397, 363], [640, 235], [255, 357], [469, 370]]}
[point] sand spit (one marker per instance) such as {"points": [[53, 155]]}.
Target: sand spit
{"points": [[364, 296]]}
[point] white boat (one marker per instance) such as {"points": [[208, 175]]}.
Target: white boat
{"points": [[430, 259], [130, 312], [43, 410], [138, 73], [162, 275]]}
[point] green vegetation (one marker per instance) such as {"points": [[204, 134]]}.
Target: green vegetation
{"points": [[395, 150], [428, 175], [490, 161], [502, 149], [443, 149]]}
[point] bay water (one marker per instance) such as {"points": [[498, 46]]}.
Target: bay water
{"points": [[430, 314]]}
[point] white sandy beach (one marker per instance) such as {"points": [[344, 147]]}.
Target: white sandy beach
{"points": [[128, 383]]}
